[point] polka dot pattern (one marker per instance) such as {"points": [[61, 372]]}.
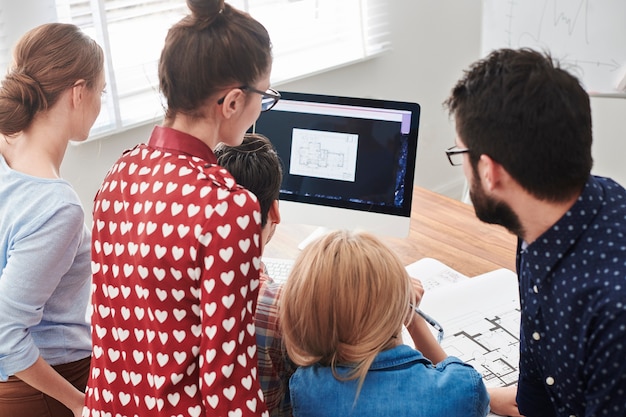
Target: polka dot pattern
{"points": [[175, 262], [573, 300]]}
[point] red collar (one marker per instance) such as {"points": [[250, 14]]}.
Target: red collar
{"points": [[174, 140]]}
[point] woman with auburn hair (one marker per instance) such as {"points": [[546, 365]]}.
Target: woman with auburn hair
{"points": [[176, 241], [50, 96], [342, 311]]}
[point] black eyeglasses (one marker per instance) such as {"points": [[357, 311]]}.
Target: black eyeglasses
{"points": [[269, 98], [455, 155]]}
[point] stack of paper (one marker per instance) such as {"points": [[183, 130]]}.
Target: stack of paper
{"points": [[480, 317]]}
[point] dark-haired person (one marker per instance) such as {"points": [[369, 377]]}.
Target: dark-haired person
{"points": [[524, 139], [50, 96], [256, 166], [176, 242]]}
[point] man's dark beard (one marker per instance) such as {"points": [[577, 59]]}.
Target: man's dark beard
{"points": [[494, 212]]}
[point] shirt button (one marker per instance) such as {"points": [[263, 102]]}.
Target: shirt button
{"points": [[550, 380], [535, 289], [536, 336]]}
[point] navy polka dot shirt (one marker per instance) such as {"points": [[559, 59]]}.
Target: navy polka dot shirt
{"points": [[573, 300]]}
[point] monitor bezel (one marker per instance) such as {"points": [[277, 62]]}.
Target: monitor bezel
{"points": [[412, 141]]}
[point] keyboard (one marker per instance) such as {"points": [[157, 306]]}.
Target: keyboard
{"points": [[278, 268]]}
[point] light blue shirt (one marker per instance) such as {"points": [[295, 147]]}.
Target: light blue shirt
{"points": [[45, 272], [400, 382]]}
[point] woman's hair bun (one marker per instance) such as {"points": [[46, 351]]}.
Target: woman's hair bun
{"points": [[24, 89], [205, 11], [21, 97]]}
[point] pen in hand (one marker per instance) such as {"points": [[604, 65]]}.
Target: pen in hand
{"points": [[434, 323]]}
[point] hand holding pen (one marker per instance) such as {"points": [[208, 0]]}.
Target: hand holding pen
{"points": [[418, 290], [432, 322]]}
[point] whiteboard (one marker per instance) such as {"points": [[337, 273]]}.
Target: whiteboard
{"points": [[587, 37]]}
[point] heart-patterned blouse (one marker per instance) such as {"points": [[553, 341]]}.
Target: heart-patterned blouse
{"points": [[175, 262]]}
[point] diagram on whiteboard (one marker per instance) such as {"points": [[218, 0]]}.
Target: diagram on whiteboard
{"points": [[321, 154], [585, 36]]}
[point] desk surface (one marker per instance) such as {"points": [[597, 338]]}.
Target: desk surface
{"points": [[441, 228]]}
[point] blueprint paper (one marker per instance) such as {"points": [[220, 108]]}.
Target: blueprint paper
{"points": [[480, 317], [434, 274]]}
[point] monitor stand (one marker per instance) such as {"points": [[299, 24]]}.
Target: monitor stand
{"points": [[320, 231]]}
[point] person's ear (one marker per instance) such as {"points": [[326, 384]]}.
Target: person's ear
{"points": [[78, 92], [273, 218], [492, 173], [273, 215], [233, 101]]}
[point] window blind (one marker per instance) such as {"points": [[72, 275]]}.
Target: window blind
{"points": [[131, 33], [308, 37]]}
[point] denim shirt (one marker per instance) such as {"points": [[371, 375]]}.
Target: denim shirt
{"points": [[400, 382]]}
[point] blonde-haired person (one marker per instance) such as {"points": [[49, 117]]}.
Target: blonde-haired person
{"points": [[342, 311], [50, 95]]}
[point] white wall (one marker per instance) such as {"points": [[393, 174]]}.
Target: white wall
{"points": [[433, 41], [609, 137]]}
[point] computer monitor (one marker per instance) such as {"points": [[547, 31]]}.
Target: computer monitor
{"points": [[348, 162]]}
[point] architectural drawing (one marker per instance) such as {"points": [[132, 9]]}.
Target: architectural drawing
{"points": [[321, 154], [490, 343], [480, 317]]}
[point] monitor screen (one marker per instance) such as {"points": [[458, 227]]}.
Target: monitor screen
{"points": [[348, 162]]}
